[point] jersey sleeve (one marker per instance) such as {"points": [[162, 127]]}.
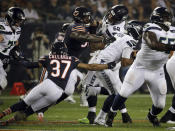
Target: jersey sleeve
{"points": [[78, 28], [43, 60], [127, 52], [76, 61]]}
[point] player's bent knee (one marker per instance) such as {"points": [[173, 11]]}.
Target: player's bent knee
{"points": [[91, 91], [126, 90]]}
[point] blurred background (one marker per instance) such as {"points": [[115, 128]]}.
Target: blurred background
{"points": [[45, 18]]}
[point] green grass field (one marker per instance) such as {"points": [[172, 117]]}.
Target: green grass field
{"points": [[64, 116]]}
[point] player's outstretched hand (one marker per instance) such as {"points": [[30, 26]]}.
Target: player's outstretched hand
{"points": [[109, 40]]}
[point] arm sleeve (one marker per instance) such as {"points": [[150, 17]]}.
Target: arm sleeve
{"points": [[127, 52]]}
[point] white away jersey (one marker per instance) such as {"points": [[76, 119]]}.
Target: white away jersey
{"points": [[110, 30], [10, 37], [152, 59], [121, 48]]}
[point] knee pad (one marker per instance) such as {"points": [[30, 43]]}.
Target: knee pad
{"points": [[3, 83]]}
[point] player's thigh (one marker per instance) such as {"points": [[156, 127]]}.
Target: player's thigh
{"points": [[70, 87], [47, 100], [171, 71], [107, 77], [133, 80], [157, 87]]}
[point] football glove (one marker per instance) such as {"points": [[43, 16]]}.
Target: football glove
{"points": [[111, 65]]}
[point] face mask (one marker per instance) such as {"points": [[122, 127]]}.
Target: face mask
{"points": [[167, 23]]}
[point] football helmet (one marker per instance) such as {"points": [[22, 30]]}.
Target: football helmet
{"points": [[135, 29], [59, 48], [15, 17], [161, 15], [82, 15], [64, 27], [117, 14]]}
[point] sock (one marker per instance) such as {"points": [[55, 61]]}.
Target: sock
{"points": [[118, 102], [172, 110], [92, 101], [108, 103], [104, 91], [155, 110], [92, 109], [123, 110], [63, 96], [29, 111], [18, 106], [102, 114]]}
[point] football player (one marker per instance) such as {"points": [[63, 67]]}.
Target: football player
{"points": [[59, 66], [112, 24], [157, 43], [10, 31], [169, 116]]}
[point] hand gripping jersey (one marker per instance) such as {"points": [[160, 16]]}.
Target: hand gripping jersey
{"points": [[10, 37], [59, 68], [121, 48], [152, 59], [75, 47]]}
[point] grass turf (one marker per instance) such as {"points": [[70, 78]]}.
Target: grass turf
{"points": [[64, 116]]}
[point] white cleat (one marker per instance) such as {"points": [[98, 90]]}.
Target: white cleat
{"points": [[70, 99], [100, 121]]}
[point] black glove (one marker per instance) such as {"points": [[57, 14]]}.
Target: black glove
{"points": [[111, 65], [108, 40]]}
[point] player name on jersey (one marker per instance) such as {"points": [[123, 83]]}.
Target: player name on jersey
{"points": [[51, 56]]}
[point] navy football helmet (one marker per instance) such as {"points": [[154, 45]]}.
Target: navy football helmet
{"points": [[15, 17], [161, 15], [117, 14], [82, 15], [59, 48], [135, 29]]}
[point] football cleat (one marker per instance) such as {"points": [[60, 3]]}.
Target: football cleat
{"points": [[84, 120], [110, 118], [100, 121], [153, 119], [168, 117], [91, 117], [70, 99], [126, 118]]}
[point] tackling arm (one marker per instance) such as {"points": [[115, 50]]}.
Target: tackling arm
{"points": [[97, 67], [152, 42], [1, 38]]}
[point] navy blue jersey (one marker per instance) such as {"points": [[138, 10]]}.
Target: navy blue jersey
{"points": [[75, 47], [59, 68]]}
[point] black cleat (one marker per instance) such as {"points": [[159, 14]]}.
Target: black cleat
{"points": [[91, 117], [153, 119], [167, 117], [126, 118], [110, 118]]}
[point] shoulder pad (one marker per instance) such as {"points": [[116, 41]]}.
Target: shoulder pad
{"points": [[151, 26], [172, 29]]}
